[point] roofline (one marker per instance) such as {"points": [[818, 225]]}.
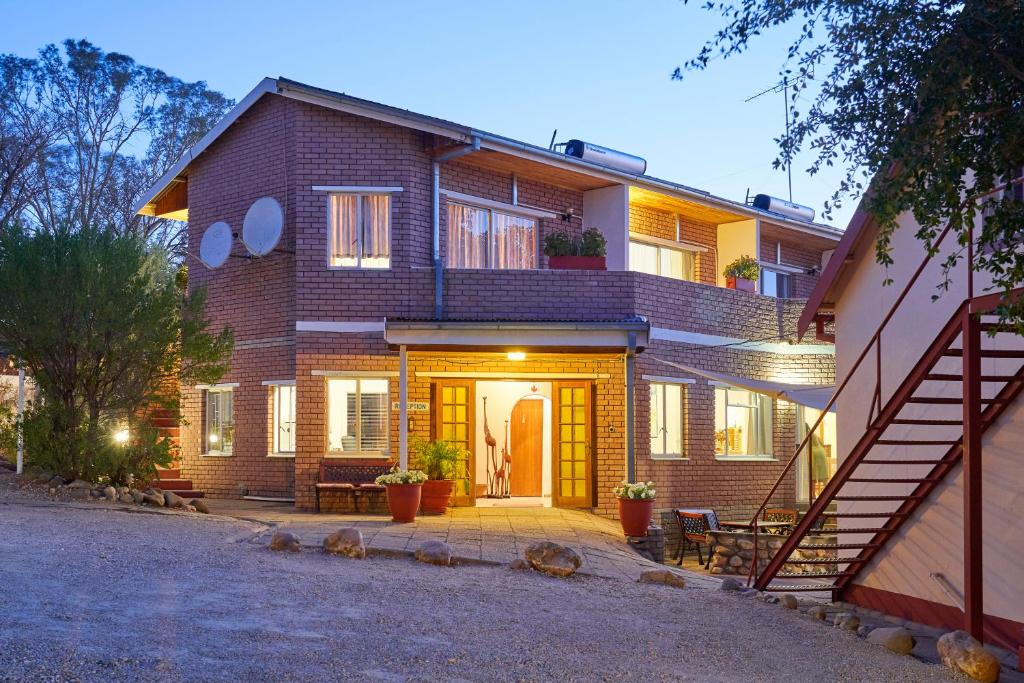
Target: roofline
{"points": [[638, 325], [340, 101]]}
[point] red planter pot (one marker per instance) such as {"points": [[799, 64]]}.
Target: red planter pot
{"points": [[741, 284], [437, 494], [635, 516], [404, 501], [576, 262]]}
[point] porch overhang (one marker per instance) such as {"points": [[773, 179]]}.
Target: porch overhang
{"points": [[520, 335]]}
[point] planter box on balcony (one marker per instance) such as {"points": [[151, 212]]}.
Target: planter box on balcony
{"points": [[741, 284], [576, 262]]}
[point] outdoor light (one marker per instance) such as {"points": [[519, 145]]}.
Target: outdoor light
{"points": [[121, 436], [516, 355], [214, 438]]}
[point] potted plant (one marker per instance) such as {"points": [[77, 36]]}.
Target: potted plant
{"points": [[404, 488], [439, 460], [742, 273], [570, 252], [636, 505]]}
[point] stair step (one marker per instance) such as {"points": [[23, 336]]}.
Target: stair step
{"points": [[814, 575], [987, 353], [891, 481], [187, 494], [837, 546], [953, 377], [905, 462], [877, 498], [828, 560], [917, 442], [863, 515], [857, 530], [169, 474], [922, 421], [798, 588], [175, 484]]}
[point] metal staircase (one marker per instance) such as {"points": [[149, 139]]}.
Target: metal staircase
{"points": [[931, 423]]}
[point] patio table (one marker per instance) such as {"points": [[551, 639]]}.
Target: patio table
{"points": [[761, 525]]}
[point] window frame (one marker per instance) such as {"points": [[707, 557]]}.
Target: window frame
{"points": [[275, 423], [491, 210], [208, 392], [726, 456], [358, 453], [360, 194], [778, 274], [659, 244], [681, 386]]}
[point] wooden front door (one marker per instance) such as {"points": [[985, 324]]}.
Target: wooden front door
{"points": [[572, 444], [527, 444], [453, 422]]}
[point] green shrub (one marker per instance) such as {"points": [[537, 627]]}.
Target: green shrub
{"points": [[745, 267], [564, 243], [439, 459]]}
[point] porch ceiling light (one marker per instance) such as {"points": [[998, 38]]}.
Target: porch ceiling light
{"points": [[516, 355]]}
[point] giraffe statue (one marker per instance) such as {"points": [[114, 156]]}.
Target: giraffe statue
{"points": [[491, 457]]}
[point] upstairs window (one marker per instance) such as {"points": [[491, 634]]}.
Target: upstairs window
{"points": [[657, 259], [360, 230], [487, 238], [219, 430], [666, 420], [358, 418], [776, 284], [284, 419], [743, 423]]}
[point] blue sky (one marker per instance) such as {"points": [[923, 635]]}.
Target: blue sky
{"points": [[597, 70]]}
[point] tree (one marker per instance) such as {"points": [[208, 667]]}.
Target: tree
{"points": [[113, 128], [104, 326], [26, 131], [921, 102]]}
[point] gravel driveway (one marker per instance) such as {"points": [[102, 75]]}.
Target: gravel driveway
{"points": [[98, 594]]}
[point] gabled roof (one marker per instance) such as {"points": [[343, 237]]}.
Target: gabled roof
{"points": [[464, 134]]}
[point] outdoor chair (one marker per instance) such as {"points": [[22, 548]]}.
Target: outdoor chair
{"points": [[694, 526], [787, 515]]}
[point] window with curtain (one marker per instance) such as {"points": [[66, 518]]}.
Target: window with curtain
{"points": [[284, 418], [776, 284], [818, 458], [743, 423], [487, 238], [666, 420], [360, 230], [656, 259], [219, 430], [358, 416]]}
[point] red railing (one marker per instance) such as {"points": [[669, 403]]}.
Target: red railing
{"points": [[876, 342]]}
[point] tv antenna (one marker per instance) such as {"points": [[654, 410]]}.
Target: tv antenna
{"points": [[783, 87]]}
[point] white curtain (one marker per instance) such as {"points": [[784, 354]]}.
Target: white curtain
{"points": [[376, 223], [513, 242], [467, 236], [344, 238]]}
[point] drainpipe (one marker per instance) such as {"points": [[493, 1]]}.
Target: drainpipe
{"points": [[436, 221], [630, 400]]}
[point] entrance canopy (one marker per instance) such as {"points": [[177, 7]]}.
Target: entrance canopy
{"points": [[814, 396], [553, 335]]}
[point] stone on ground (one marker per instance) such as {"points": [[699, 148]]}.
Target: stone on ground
{"points": [[56, 481], [153, 499], [666, 577], [126, 498], [730, 585], [347, 541], [110, 493], [79, 484], [846, 621], [137, 496], [200, 505], [434, 552], [788, 601], [285, 540], [519, 564], [818, 612], [173, 500], [897, 639], [552, 558], [961, 652]]}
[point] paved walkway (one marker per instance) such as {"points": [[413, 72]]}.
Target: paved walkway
{"points": [[492, 535]]}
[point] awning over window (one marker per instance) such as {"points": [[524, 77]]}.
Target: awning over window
{"points": [[814, 396]]}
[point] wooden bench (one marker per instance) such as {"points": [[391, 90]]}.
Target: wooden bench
{"points": [[354, 479]]}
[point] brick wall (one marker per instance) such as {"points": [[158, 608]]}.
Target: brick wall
{"points": [[647, 221]]}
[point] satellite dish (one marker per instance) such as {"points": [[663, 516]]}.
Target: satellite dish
{"points": [[216, 245], [261, 229]]}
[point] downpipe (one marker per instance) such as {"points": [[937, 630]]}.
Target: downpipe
{"points": [[474, 146]]}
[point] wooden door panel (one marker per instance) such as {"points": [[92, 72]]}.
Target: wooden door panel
{"points": [[527, 444], [454, 421], [572, 444]]}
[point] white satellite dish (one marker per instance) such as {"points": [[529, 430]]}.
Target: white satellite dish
{"points": [[216, 245], [261, 229]]}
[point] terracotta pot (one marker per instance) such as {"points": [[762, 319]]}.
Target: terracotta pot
{"points": [[437, 494], [404, 501], [741, 284], [635, 516], [576, 262]]}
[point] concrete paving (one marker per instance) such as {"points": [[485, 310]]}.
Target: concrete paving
{"points": [[493, 535]]}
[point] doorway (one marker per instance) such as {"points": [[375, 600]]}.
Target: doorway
{"points": [[527, 444]]}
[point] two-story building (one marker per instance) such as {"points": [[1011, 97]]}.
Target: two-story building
{"points": [[409, 298]]}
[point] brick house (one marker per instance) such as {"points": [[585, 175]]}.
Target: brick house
{"points": [[353, 343]]}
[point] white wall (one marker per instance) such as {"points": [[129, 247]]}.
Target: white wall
{"points": [[607, 209], [741, 238], [932, 541], [501, 399]]}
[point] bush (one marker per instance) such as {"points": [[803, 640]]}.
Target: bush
{"points": [[439, 459], [563, 243], [745, 267]]}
